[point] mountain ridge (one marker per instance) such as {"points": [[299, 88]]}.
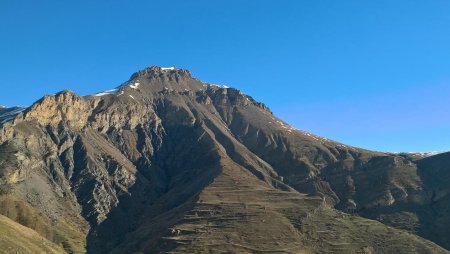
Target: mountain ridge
{"points": [[199, 167]]}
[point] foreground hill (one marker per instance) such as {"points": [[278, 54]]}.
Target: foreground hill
{"points": [[167, 163], [16, 238]]}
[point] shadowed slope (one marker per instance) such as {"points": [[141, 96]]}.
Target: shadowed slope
{"points": [[435, 172]]}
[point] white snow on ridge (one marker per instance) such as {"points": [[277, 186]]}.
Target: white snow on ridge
{"points": [[291, 129], [112, 91], [217, 85], [167, 68], [423, 154], [10, 113], [130, 83], [134, 85], [6, 119]]}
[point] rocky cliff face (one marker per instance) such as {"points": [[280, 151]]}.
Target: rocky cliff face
{"points": [[165, 162]]}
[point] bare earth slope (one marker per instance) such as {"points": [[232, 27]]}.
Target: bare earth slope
{"points": [[167, 163]]}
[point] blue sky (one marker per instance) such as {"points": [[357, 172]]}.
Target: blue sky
{"points": [[373, 74]]}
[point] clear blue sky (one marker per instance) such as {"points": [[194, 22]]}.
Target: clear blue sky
{"points": [[374, 74]]}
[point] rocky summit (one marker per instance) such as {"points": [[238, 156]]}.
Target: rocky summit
{"points": [[166, 163]]}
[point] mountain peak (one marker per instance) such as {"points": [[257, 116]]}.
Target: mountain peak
{"points": [[157, 71]]}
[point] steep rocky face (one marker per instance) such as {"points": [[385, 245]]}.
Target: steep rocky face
{"points": [[165, 162]]}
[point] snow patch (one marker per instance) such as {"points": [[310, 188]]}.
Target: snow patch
{"points": [[215, 85], [131, 96], [167, 68], [112, 91], [291, 129], [221, 86], [135, 85], [9, 114], [422, 154], [6, 119]]}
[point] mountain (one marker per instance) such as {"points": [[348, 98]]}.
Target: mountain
{"points": [[166, 163]]}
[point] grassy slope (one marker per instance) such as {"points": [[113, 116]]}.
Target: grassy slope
{"points": [[15, 238]]}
